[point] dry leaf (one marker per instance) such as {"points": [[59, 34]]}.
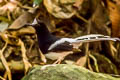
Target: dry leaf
{"points": [[78, 3], [3, 26], [60, 8], [117, 2], [8, 7], [81, 61], [114, 13], [22, 20]]}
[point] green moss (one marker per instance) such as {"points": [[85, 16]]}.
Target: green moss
{"points": [[65, 72]]}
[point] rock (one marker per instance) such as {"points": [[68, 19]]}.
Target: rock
{"points": [[65, 72]]}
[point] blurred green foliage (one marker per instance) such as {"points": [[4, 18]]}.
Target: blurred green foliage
{"points": [[37, 2]]}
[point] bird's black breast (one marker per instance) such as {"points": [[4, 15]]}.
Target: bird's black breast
{"points": [[45, 42]]}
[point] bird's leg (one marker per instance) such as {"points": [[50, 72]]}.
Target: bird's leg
{"points": [[63, 55], [25, 59], [8, 71]]}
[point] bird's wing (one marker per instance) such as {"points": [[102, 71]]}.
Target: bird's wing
{"points": [[86, 38], [61, 42], [63, 46]]}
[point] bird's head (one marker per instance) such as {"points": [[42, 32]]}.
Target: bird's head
{"points": [[36, 23]]}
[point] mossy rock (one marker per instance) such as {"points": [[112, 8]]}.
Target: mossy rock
{"points": [[65, 72]]}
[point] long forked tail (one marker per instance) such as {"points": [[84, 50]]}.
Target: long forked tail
{"points": [[95, 37], [81, 39]]}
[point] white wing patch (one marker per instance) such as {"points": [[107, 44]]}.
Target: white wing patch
{"points": [[62, 40]]}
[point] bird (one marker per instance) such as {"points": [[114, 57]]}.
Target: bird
{"points": [[46, 39], [49, 43]]}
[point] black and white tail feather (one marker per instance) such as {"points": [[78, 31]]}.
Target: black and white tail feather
{"points": [[81, 39]]}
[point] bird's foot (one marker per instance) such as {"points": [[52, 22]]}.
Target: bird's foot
{"points": [[59, 60], [63, 55]]}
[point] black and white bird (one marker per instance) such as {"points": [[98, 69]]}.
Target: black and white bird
{"points": [[49, 43]]}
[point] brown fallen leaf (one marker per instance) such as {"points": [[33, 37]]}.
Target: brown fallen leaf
{"points": [[22, 31], [65, 11], [26, 17], [78, 3], [117, 2], [81, 61], [114, 14]]}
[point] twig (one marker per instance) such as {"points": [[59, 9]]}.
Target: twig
{"points": [[25, 59], [5, 62], [1, 78], [95, 62], [82, 18], [42, 56], [87, 52], [89, 65]]}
